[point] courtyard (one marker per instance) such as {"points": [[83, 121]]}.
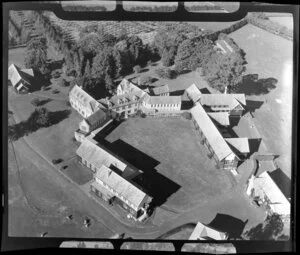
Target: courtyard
{"points": [[177, 171]]}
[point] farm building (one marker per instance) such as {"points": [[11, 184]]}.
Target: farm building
{"points": [[97, 119], [264, 190], [202, 232], [231, 103], [82, 102], [21, 79], [93, 156], [220, 118], [212, 138], [113, 188], [193, 93], [240, 146], [165, 103], [161, 91]]}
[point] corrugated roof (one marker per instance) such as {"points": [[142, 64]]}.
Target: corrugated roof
{"points": [[212, 134], [202, 232], [224, 100], [165, 100], [125, 190], [95, 117], [83, 98], [97, 156], [194, 93], [220, 117], [161, 90], [278, 202], [240, 143]]}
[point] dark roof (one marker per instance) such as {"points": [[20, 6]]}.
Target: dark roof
{"points": [[95, 117]]}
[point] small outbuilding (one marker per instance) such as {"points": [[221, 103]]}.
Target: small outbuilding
{"points": [[20, 79]]}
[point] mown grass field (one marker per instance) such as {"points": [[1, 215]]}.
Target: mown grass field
{"points": [[270, 56], [177, 155]]}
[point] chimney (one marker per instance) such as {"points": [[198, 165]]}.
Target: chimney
{"points": [[225, 91]]}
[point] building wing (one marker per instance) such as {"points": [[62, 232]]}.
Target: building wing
{"points": [[221, 118], [210, 131], [202, 232], [161, 90], [125, 190], [241, 144], [193, 93]]}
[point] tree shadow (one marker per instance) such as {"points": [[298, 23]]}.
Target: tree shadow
{"points": [[29, 126], [144, 70], [229, 224], [43, 102], [282, 181], [251, 85], [58, 116]]}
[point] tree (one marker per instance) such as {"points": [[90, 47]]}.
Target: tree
{"points": [[137, 69], [224, 71], [145, 80], [168, 56], [270, 229], [36, 54], [166, 73]]}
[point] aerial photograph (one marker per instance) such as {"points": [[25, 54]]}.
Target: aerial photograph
{"points": [[150, 129]]}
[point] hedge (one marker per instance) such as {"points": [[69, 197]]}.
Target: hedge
{"points": [[270, 26]]}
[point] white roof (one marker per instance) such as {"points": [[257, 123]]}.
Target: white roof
{"points": [[165, 100], [161, 89], [98, 156], [202, 232], [220, 117], [84, 98], [240, 143], [125, 190], [278, 202], [225, 100], [193, 92], [15, 74], [210, 131]]}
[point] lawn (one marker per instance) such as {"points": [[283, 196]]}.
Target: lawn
{"points": [[177, 169], [270, 56]]}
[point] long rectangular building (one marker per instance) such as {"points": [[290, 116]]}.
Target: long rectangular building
{"points": [[115, 186], [213, 139]]}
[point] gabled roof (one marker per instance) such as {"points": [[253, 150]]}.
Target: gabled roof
{"points": [[15, 74], [78, 94], [229, 101], [202, 232], [125, 190], [210, 131], [278, 202], [165, 100], [220, 117], [161, 90], [98, 156], [95, 117], [193, 92], [241, 144]]}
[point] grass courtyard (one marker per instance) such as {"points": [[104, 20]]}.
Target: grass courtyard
{"points": [[178, 172]]}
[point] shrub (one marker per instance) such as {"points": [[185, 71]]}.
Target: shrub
{"points": [[63, 83], [35, 102], [55, 74], [137, 69], [72, 72], [57, 161], [187, 115], [166, 73], [55, 91], [145, 80]]}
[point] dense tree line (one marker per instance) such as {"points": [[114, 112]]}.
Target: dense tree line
{"points": [[82, 8], [196, 8], [169, 37], [105, 58]]}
